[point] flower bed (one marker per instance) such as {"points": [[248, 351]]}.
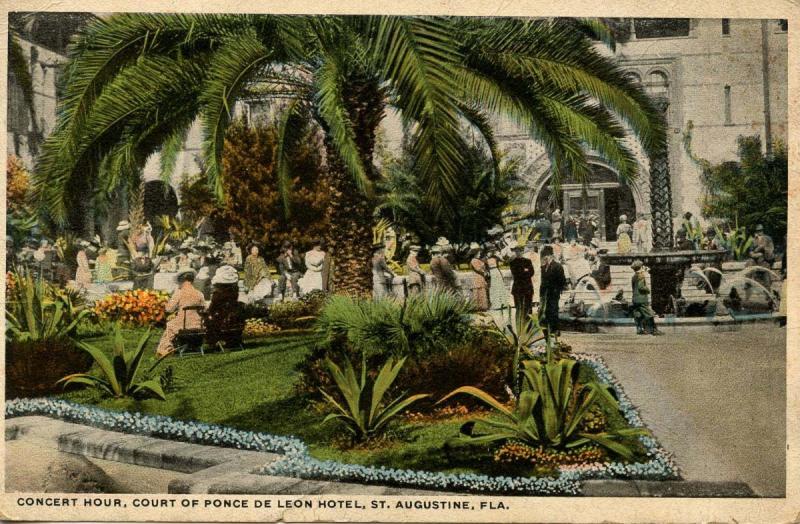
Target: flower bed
{"points": [[297, 462], [139, 307]]}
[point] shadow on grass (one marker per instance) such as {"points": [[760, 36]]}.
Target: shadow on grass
{"points": [[289, 416]]}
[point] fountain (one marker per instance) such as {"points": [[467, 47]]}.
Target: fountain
{"points": [[667, 265]]}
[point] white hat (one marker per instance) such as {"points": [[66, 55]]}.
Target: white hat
{"points": [[225, 275], [623, 217], [123, 225], [442, 241], [474, 245]]}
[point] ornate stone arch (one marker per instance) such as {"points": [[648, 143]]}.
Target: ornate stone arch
{"points": [[640, 191]]}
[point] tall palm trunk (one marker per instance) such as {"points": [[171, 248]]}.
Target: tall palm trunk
{"points": [[350, 212]]}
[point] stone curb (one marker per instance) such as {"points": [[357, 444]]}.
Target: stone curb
{"points": [[230, 471], [665, 488]]}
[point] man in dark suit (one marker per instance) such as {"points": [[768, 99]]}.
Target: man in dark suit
{"points": [[553, 282], [522, 287]]}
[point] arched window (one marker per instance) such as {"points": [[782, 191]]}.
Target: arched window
{"points": [[657, 84]]}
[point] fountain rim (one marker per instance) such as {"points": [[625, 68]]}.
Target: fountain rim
{"points": [[687, 256]]}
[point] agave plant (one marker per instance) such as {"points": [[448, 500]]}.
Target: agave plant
{"points": [[521, 337], [119, 373], [549, 411], [37, 312], [365, 415]]}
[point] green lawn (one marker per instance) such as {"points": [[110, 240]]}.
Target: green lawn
{"points": [[253, 389]]}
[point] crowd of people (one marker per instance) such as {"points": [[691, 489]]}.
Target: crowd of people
{"points": [[537, 277], [560, 252]]}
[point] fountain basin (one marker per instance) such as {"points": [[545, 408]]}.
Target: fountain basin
{"points": [[667, 269], [669, 324]]}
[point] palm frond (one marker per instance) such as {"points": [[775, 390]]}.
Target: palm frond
{"points": [[230, 68]]}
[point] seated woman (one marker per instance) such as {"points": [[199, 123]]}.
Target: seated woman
{"points": [[225, 315], [186, 295]]}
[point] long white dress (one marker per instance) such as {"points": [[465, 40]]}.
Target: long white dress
{"points": [[312, 279], [498, 293], [642, 236]]}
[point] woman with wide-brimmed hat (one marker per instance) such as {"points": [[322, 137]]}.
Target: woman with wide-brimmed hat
{"points": [[480, 278], [225, 315]]}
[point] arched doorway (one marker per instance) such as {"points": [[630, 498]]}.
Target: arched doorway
{"points": [[605, 196]]}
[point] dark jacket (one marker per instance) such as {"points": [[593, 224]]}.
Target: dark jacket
{"points": [[283, 266], [553, 281], [522, 272], [640, 290], [443, 273]]}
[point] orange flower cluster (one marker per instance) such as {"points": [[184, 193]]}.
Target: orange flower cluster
{"points": [[11, 285], [140, 307], [517, 452]]}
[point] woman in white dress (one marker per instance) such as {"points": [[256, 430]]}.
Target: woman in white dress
{"points": [[315, 260], [498, 294], [624, 236]]}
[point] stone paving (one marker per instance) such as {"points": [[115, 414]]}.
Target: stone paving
{"points": [[715, 400]]}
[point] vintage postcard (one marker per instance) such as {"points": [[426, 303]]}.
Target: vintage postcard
{"points": [[451, 262]]}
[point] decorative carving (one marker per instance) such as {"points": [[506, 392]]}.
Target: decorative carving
{"points": [[661, 192]]}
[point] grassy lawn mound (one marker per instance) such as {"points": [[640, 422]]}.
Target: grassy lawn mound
{"points": [[256, 389], [424, 392]]}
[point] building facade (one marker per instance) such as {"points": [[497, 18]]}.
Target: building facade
{"points": [[722, 78]]}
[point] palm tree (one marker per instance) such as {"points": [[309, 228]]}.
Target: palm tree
{"points": [[136, 82]]}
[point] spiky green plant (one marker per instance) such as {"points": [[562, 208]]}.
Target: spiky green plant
{"points": [[737, 242], [120, 372], [135, 82], [424, 323], [520, 335], [549, 412], [365, 414], [38, 312]]}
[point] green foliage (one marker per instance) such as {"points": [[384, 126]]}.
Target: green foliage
{"points": [[550, 411], [737, 242], [297, 313], [365, 415], [487, 185], [119, 373], [254, 209], [136, 81], [424, 324], [38, 311], [481, 360], [520, 336], [171, 229], [750, 191]]}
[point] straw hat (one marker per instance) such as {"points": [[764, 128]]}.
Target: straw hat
{"points": [[123, 225], [637, 265]]}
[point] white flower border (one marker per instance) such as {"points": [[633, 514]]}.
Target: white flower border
{"points": [[297, 462]]}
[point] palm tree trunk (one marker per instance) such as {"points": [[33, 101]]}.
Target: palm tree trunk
{"points": [[350, 212]]}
